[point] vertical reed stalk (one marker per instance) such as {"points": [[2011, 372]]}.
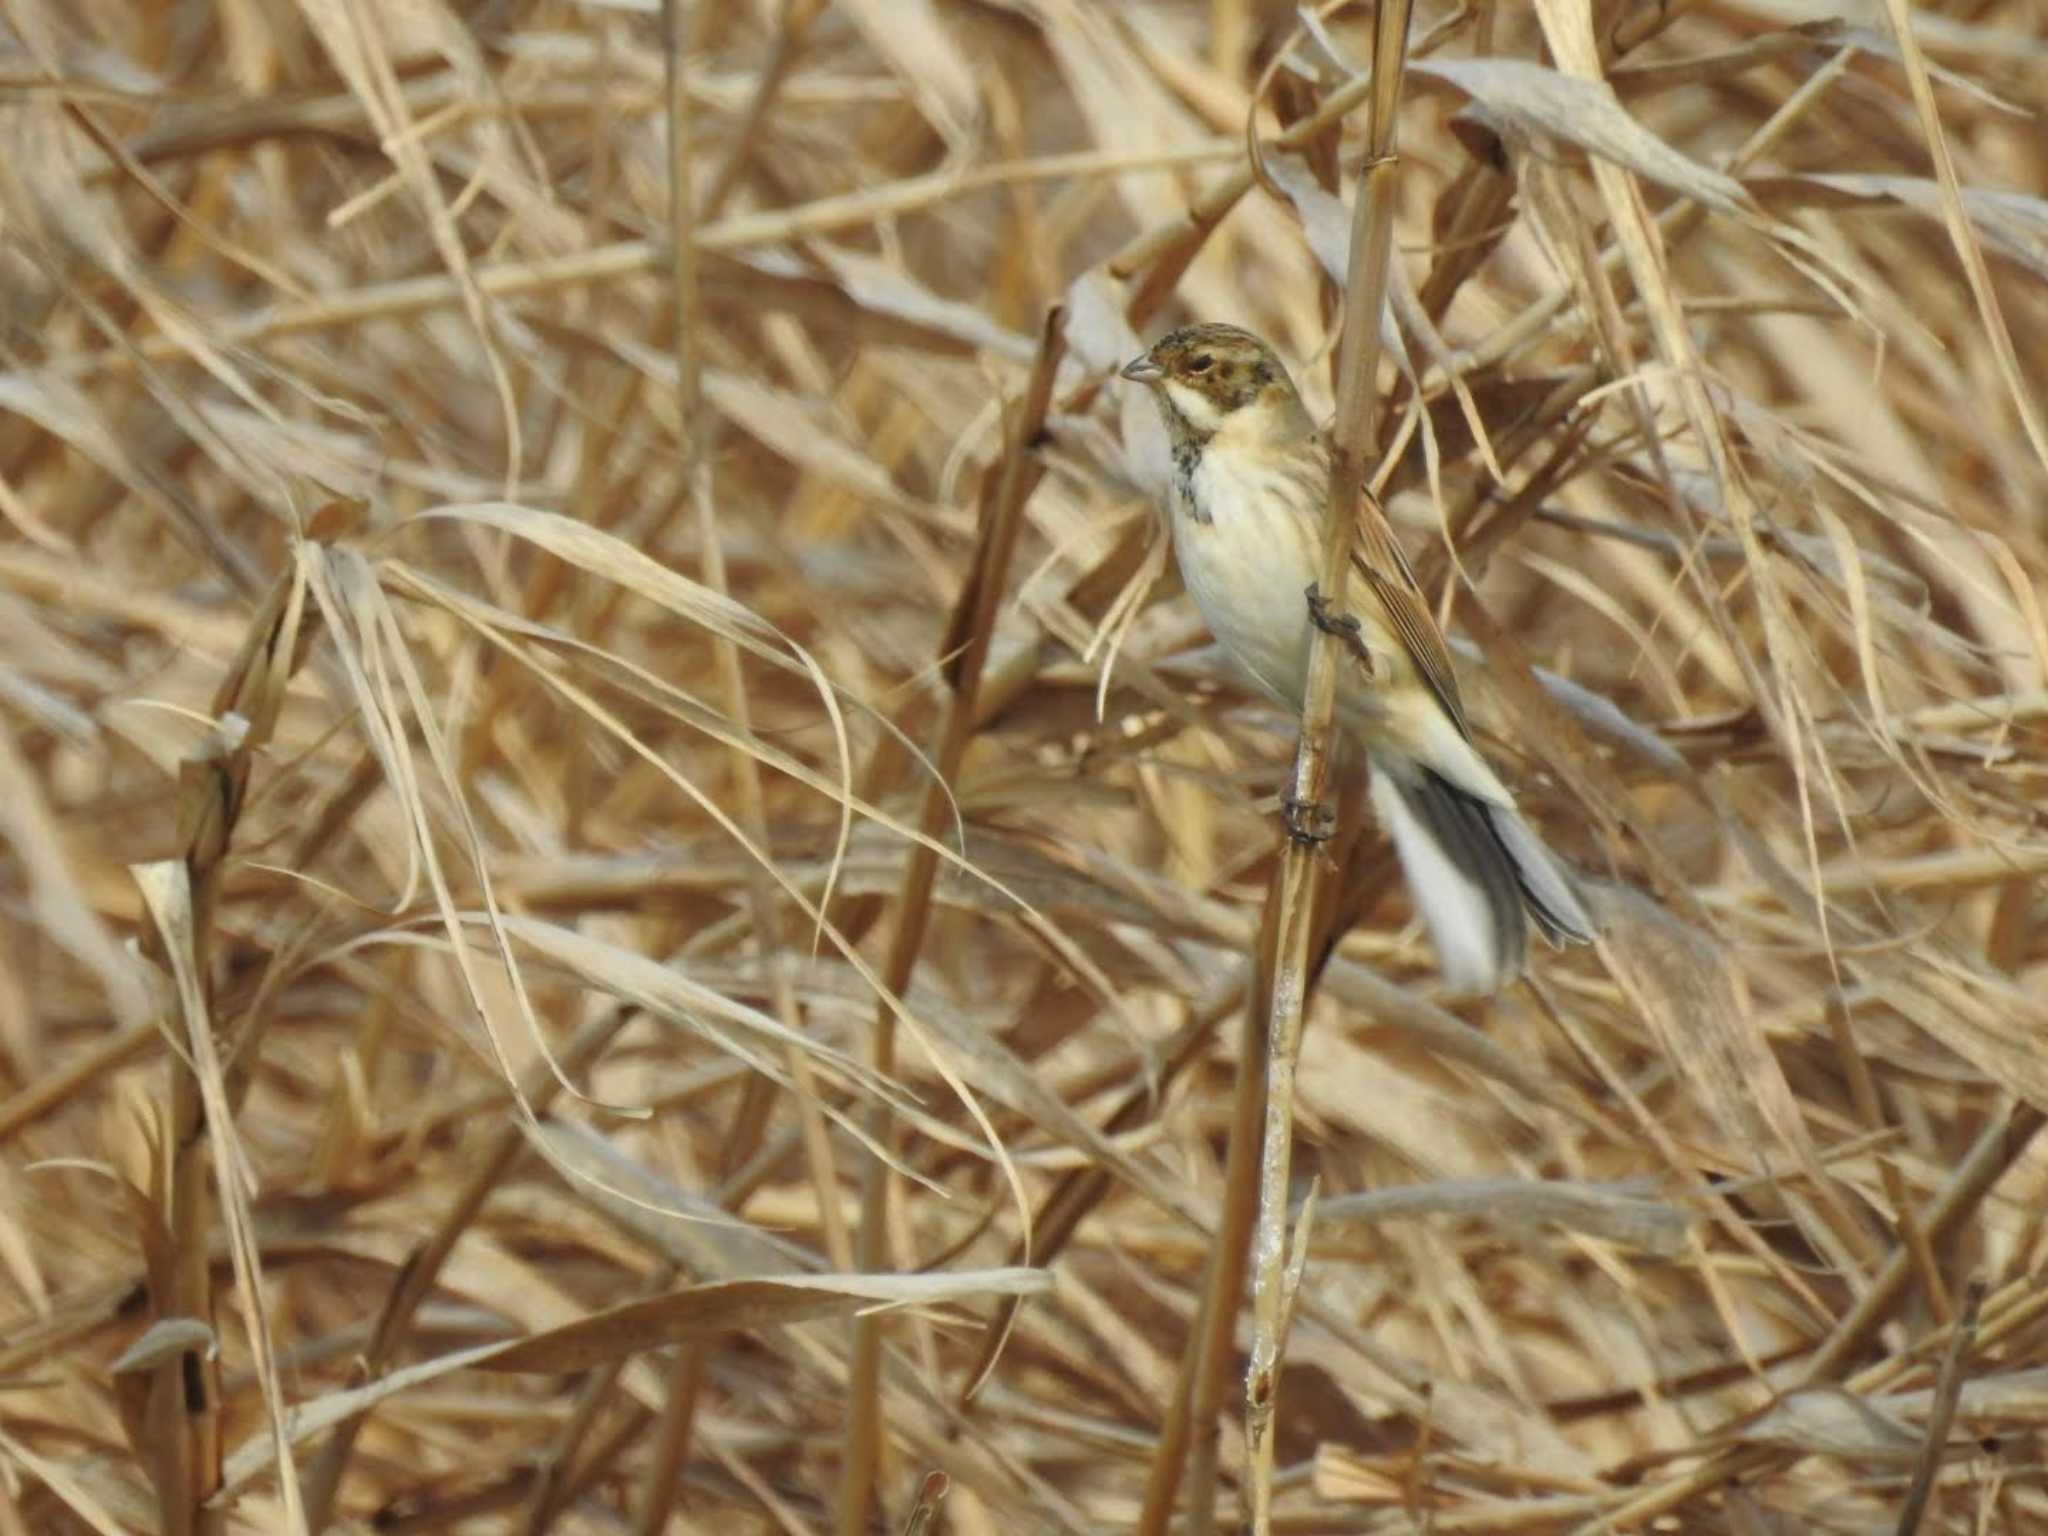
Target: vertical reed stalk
{"points": [[963, 655], [1351, 438]]}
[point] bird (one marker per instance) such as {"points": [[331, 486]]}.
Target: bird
{"points": [[1245, 501]]}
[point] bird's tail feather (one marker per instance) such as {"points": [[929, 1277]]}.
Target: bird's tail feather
{"points": [[1478, 874], [1548, 892]]}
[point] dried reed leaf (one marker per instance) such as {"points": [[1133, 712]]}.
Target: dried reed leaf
{"points": [[250, 1460], [1344, 1477], [1828, 1421], [1685, 988], [60, 906], [913, 38], [68, 1482], [1523, 99], [727, 1306], [2032, 412], [2013, 224], [888, 290], [665, 992], [706, 1240], [1617, 1214], [2011, 1397], [166, 1339]]}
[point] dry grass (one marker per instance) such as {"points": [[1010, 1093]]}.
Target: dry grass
{"points": [[556, 803]]}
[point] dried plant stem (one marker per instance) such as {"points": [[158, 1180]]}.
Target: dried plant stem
{"points": [[797, 16], [1674, 224], [1080, 1192], [687, 1368], [672, 1438], [1863, 1092], [1948, 1386], [685, 1374], [684, 292], [54, 1090], [183, 1413], [625, 259], [1351, 438], [416, 1279], [1191, 1418], [2024, 399], [963, 656], [1173, 245], [552, 1482], [1996, 1150]]}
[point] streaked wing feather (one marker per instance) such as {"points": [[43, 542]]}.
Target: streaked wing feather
{"points": [[1377, 560]]}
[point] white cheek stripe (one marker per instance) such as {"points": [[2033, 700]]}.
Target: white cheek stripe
{"points": [[1193, 405]]}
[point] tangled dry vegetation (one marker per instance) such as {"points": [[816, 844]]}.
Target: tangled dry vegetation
{"points": [[555, 804]]}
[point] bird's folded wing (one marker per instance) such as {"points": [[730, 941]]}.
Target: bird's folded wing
{"points": [[1377, 561]]}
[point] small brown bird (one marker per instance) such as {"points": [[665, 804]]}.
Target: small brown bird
{"points": [[1250, 478]]}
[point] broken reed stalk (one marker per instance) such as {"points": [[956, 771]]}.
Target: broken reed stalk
{"points": [[180, 1419], [963, 654], [1294, 887]]}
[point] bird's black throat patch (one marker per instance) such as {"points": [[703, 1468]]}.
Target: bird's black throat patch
{"points": [[1187, 458]]}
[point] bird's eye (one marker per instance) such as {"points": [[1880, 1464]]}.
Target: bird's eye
{"points": [[1201, 364]]}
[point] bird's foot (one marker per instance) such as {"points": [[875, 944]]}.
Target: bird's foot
{"points": [[1344, 626], [1308, 821]]}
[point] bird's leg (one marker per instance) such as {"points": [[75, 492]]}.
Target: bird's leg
{"points": [[1308, 821], [1344, 626]]}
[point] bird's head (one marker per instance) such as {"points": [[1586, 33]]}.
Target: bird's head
{"points": [[1207, 377]]}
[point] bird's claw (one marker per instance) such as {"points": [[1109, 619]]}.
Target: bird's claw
{"points": [[1308, 821], [1345, 626]]}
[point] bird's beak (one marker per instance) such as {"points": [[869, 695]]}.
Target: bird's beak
{"points": [[1142, 370]]}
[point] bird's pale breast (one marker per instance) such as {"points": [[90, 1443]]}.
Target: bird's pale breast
{"points": [[1248, 552], [1247, 531]]}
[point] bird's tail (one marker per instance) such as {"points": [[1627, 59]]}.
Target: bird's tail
{"points": [[1478, 874]]}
